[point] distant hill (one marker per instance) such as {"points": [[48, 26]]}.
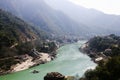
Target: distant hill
{"points": [[39, 13], [61, 17], [18, 28], [102, 47], [99, 22]]}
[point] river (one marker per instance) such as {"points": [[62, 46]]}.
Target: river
{"points": [[69, 61]]}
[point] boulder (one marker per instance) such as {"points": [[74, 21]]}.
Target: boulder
{"points": [[35, 71], [54, 76]]}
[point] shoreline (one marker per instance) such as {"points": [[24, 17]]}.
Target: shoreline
{"points": [[31, 61], [43, 58], [28, 63], [96, 58]]}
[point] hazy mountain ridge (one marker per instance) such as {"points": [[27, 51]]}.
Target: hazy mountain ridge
{"points": [[99, 22], [15, 26], [42, 15], [64, 17], [14, 31]]}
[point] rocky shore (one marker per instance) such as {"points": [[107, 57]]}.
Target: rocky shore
{"points": [[95, 56], [58, 76], [30, 62], [26, 62], [102, 47], [54, 76], [31, 59]]}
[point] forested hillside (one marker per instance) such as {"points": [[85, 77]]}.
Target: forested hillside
{"points": [[106, 44], [15, 32], [46, 18], [20, 42], [109, 66]]}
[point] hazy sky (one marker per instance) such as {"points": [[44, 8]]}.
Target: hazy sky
{"points": [[107, 6]]}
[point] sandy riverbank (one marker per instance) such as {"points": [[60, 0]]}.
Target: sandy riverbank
{"points": [[29, 62]]}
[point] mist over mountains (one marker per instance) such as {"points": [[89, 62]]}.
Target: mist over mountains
{"points": [[61, 17], [96, 20]]}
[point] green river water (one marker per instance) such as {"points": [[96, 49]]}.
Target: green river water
{"points": [[70, 61]]}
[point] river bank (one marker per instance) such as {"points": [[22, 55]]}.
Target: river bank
{"points": [[26, 62], [95, 55], [42, 58], [34, 56], [70, 61]]}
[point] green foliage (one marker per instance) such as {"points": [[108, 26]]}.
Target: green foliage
{"points": [[6, 38], [24, 48], [7, 63], [110, 71], [17, 38], [115, 50], [47, 47], [100, 44], [14, 30]]}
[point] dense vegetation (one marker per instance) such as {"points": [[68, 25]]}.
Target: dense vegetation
{"points": [[18, 38], [110, 69], [105, 71], [14, 31], [102, 44]]}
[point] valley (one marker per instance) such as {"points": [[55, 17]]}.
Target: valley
{"points": [[58, 40]]}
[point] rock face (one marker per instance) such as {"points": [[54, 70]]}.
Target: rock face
{"points": [[54, 76]]}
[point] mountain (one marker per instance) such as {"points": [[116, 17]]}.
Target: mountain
{"points": [[46, 18], [16, 32], [62, 17], [98, 21], [18, 28], [21, 42]]}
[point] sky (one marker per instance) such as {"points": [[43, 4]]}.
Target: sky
{"points": [[106, 6]]}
